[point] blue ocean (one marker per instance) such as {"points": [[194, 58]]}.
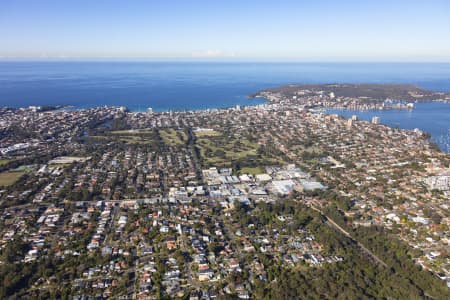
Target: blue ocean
{"points": [[200, 85]]}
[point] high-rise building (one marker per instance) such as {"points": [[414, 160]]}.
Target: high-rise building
{"points": [[349, 123], [376, 120]]}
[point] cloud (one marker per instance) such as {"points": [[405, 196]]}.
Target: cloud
{"points": [[212, 53]]}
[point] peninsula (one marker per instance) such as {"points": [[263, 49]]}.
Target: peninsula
{"points": [[352, 96]]}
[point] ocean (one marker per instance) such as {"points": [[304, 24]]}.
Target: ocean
{"points": [[192, 85]]}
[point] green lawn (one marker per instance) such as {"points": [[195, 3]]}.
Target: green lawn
{"points": [[206, 133], [4, 161], [9, 177], [126, 138], [223, 151], [173, 137], [252, 171]]}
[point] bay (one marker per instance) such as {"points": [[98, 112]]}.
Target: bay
{"points": [[431, 117]]}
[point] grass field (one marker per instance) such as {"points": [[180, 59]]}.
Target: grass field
{"points": [[8, 177], [134, 136], [4, 161], [252, 171], [219, 150], [173, 137], [206, 133], [135, 140], [125, 139]]}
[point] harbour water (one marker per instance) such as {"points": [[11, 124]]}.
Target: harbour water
{"points": [[432, 117]]}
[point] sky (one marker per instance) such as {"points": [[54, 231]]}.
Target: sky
{"points": [[320, 30]]}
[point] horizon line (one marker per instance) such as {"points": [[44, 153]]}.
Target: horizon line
{"points": [[216, 59]]}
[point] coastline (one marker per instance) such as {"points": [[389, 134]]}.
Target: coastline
{"points": [[391, 104], [326, 102]]}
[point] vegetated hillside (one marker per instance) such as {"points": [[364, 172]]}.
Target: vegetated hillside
{"points": [[372, 91], [356, 277]]}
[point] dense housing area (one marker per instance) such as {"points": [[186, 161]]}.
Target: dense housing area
{"points": [[271, 201]]}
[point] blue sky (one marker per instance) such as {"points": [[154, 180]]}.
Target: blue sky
{"points": [[413, 30]]}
